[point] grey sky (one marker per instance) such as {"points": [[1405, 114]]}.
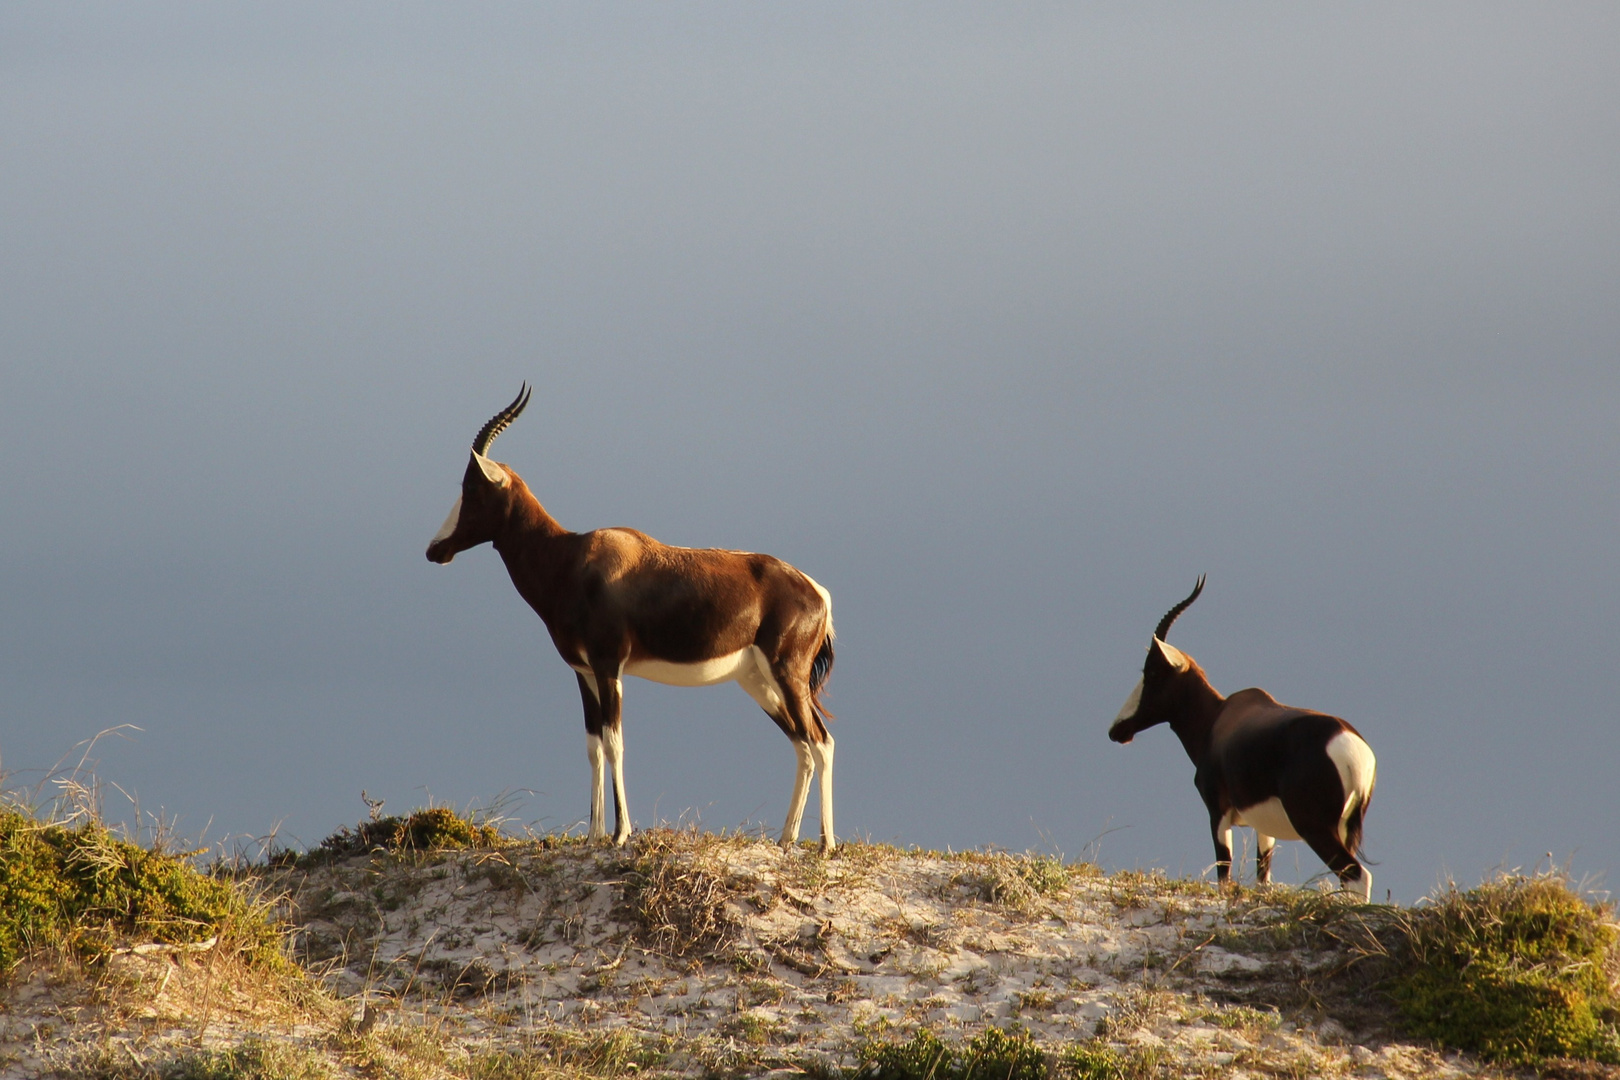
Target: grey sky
{"points": [[1003, 324]]}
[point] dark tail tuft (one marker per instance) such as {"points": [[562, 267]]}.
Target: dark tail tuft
{"points": [[820, 669], [1352, 828]]}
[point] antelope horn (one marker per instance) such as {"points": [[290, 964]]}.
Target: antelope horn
{"points": [[498, 422], [1170, 616]]}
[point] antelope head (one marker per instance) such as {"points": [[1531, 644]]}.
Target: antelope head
{"points": [[1160, 695], [486, 492]]}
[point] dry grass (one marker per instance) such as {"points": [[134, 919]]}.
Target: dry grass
{"points": [[1137, 1007], [516, 960], [680, 896], [253, 1059], [1015, 882]]}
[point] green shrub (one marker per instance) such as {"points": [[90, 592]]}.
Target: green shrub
{"points": [[1518, 970], [436, 828], [82, 889]]}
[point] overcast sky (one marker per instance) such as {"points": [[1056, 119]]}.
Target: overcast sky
{"points": [[1003, 322]]}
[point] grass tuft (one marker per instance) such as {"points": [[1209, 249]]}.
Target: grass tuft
{"points": [[433, 828], [995, 1054], [550, 1055], [679, 896], [253, 1059], [1017, 882]]}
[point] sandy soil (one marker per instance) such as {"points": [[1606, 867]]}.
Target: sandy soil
{"points": [[700, 955]]}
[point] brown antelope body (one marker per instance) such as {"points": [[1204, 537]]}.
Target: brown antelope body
{"points": [[617, 602], [1290, 774]]}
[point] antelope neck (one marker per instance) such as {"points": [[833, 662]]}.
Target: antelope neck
{"points": [[1195, 721]]}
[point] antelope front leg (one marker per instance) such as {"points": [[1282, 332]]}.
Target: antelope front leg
{"points": [[594, 754], [801, 790], [1221, 826], [611, 691]]}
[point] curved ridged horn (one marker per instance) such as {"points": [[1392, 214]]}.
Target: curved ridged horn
{"points": [[498, 422], [1170, 616]]}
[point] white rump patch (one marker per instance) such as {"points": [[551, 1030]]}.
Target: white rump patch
{"points": [[1267, 818], [1178, 659], [1132, 703], [492, 471], [703, 673], [449, 525], [1357, 773], [826, 598]]}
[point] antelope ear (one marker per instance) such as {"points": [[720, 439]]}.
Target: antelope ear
{"points": [[1172, 655], [492, 471]]}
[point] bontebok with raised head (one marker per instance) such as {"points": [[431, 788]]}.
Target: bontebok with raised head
{"points": [[1290, 774], [617, 603]]}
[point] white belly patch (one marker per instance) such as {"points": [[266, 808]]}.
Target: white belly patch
{"points": [[747, 667], [703, 673], [1268, 819]]}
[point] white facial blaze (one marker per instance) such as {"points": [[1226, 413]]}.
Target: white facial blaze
{"points": [[449, 525], [492, 471], [1178, 659], [1132, 703]]}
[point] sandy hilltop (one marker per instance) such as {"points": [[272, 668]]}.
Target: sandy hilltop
{"points": [[696, 954]]}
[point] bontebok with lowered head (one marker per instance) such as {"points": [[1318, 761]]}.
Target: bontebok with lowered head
{"points": [[617, 603], [1290, 774]]}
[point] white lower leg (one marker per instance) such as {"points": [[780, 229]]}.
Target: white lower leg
{"points": [[1262, 860], [822, 753], [593, 751], [801, 790], [613, 748]]}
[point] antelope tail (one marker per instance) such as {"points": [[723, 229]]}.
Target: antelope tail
{"points": [[820, 670]]}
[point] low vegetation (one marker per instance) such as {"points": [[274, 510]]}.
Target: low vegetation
{"points": [[254, 1059], [77, 889], [1518, 970], [1018, 882], [678, 895], [433, 828], [996, 1054], [1521, 971]]}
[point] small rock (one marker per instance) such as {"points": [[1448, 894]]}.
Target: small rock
{"points": [[1218, 961], [1332, 1031]]}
